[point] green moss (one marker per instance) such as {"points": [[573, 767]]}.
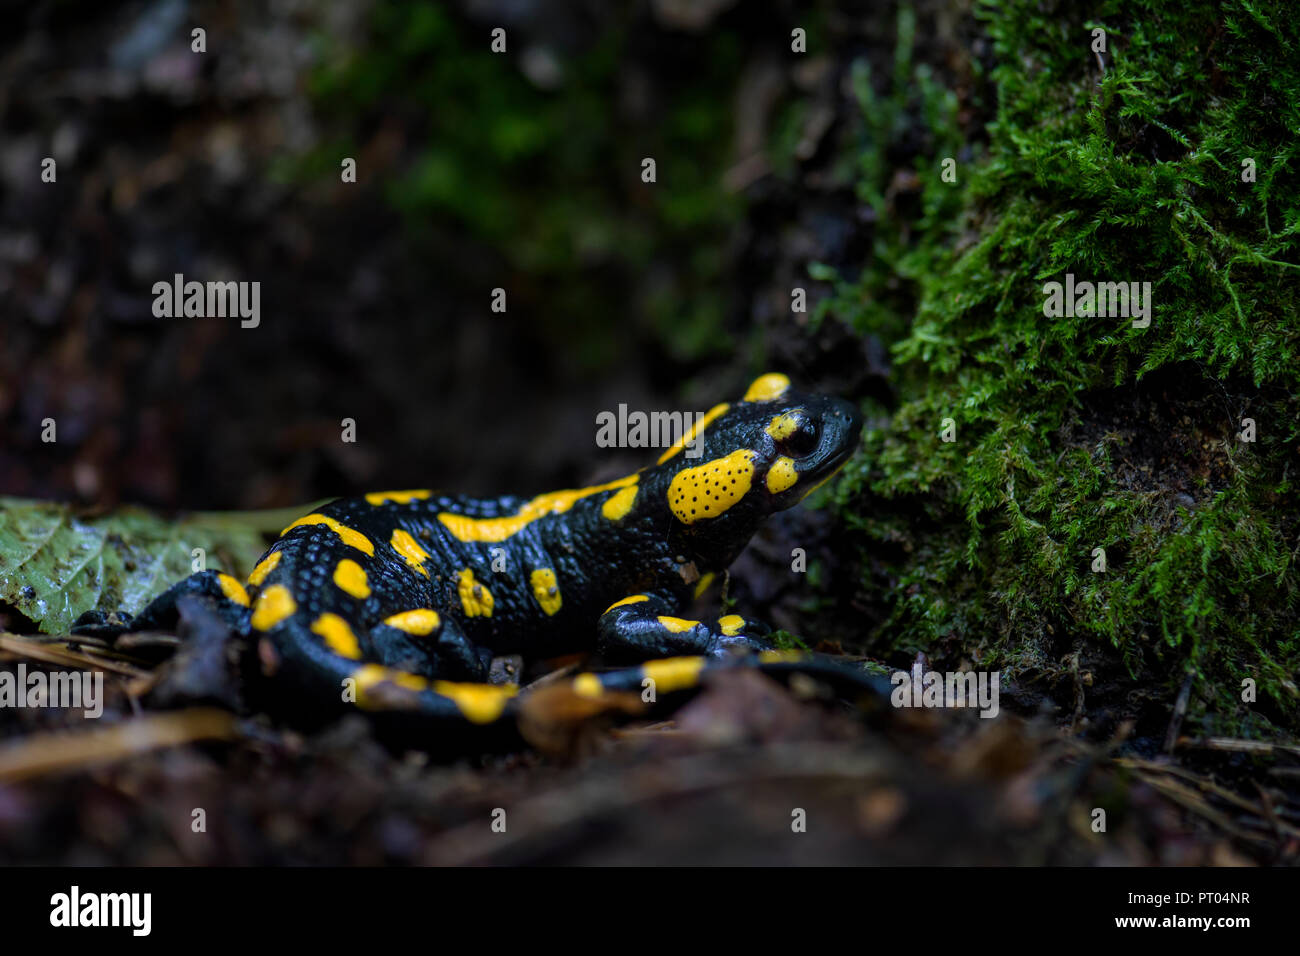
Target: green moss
{"points": [[1081, 433], [909, 240]]}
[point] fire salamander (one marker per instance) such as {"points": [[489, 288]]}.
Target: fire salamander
{"points": [[400, 600]]}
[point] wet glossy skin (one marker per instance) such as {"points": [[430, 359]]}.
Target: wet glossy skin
{"points": [[411, 590]]}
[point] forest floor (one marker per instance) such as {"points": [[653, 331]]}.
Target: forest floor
{"points": [[182, 769]]}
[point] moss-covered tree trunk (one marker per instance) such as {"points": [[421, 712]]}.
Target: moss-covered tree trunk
{"points": [[1058, 492]]}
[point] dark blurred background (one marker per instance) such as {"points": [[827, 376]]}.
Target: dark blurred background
{"points": [[475, 171]]}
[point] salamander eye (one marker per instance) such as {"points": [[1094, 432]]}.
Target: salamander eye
{"points": [[803, 440]]}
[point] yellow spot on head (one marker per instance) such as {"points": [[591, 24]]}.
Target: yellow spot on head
{"points": [[232, 589], [731, 624], [273, 606], [348, 536], [397, 497], [633, 599], [410, 550], [338, 636], [781, 475], [464, 528], [476, 599], [419, 621], [708, 490], [546, 589], [783, 426], [674, 673], [677, 624], [480, 703], [351, 579], [588, 685], [694, 430], [767, 388], [617, 505], [264, 567]]}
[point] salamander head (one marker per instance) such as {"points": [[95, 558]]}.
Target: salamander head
{"points": [[762, 454]]}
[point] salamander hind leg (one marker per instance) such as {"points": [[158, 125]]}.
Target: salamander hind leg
{"points": [[426, 642], [346, 621], [319, 664]]}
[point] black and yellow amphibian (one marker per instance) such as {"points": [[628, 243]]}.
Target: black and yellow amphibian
{"points": [[401, 599]]}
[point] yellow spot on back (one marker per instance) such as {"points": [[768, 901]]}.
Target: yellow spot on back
{"points": [[617, 505], [546, 589], [418, 621], [677, 624], [705, 583], [397, 497], [674, 673], [633, 599], [695, 429], [351, 578], [464, 528], [476, 599], [408, 680], [783, 426], [767, 387], [273, 606], [264, 567], [708, 490], [781, 475], [587, 685], [731, 624], [479, 703], [232, 589], [368, 676], [348, 536], [410, 550], [338, 636]]}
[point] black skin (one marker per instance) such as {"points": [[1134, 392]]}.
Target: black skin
{"points": [[597, 561]]}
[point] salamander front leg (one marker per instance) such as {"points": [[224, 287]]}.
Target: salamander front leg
{"points": [[643, 626]]}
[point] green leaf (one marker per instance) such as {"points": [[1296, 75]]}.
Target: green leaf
{"points": [[54, 566]]}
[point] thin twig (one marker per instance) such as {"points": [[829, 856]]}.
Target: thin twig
{"points": [[41, 651], [48, 753], [1180, 711]]}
